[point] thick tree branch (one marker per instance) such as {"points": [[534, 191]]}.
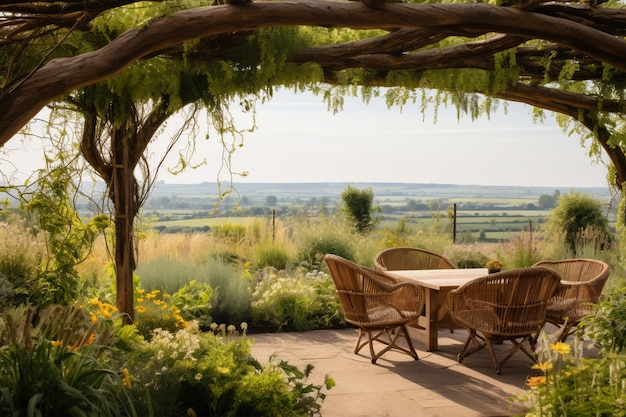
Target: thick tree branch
{"points": [[59, 76]]}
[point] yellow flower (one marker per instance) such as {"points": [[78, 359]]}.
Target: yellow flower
{"points": [[191, 413], [126, 379], [561, 347], [56, 343], [543, 366], [94, 318], [140, 299], [535, 381], [140, 309]]}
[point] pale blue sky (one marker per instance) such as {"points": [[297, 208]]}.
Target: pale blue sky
{"points": [[299, 140]]}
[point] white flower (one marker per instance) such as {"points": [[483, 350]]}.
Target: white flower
{"points": [[198, 376]]}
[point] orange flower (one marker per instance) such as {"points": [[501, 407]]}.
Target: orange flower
{"points": [[535, 381]]}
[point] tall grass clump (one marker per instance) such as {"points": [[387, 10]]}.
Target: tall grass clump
{"points": [[471, 256], [319, 237], [21, 257], [520, 252], [169, 275], [232, 296], [271, 254]]}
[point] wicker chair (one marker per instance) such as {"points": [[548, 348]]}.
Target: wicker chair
{"points": [[405, 258], [582, 281], [380, 307], [509, 305]]}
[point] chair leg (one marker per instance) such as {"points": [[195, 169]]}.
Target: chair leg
{"points": [[479, 343], [388, 337], [566, 331], [359, 345], [492, 353]]}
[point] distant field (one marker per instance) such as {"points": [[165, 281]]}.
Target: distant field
{"points": [[214, 221], [490, 212]]}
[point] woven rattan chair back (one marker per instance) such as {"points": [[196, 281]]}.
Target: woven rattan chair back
{"points": [[379, 306], [582, 282], [406, 258], [509, 305]]}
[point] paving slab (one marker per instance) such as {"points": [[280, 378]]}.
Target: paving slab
{"points": [[436, 385]]}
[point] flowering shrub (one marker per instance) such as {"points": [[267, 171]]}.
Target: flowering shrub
{"points": [[298, 303], [155, 310], [493, 266], [573, 386], [205, 374]]}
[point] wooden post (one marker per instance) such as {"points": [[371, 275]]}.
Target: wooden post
{"points": [[454, 224]]}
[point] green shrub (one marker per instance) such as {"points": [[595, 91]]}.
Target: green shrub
{"points": [[608, 325], [580, 217], [194, 302], [268, 254]]}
